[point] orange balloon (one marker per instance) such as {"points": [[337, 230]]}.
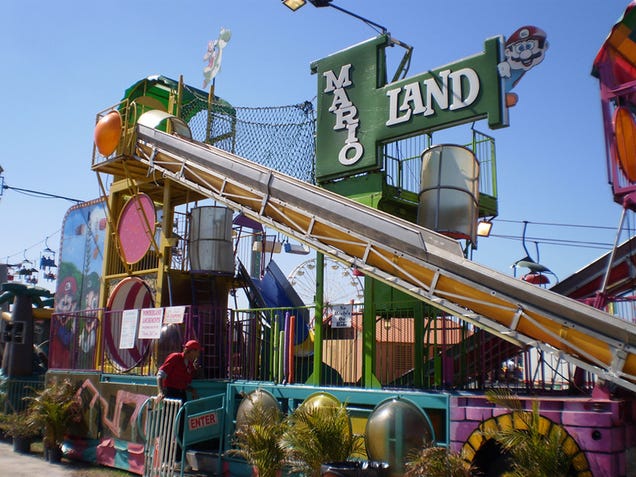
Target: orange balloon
{"points": [[107, 133], [625, 142]]}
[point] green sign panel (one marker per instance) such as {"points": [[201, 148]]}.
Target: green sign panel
{"points": [[358, 110]]}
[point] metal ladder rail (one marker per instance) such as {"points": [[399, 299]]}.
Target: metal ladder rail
{"points": [[416, 260]]}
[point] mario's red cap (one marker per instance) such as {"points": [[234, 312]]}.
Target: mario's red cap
{"points": [[528, 32], [193, 344]]}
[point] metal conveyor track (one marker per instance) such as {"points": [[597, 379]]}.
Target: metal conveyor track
{"points": [[416, 260]]}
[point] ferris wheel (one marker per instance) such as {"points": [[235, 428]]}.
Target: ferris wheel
{"points": [[341, 284]]}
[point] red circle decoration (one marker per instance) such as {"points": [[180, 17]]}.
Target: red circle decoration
{"points": [[624, 151], [131, 293], [136, 227]]}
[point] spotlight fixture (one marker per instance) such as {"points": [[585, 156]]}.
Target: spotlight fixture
{"points": [[294, 5], [483, 228]]}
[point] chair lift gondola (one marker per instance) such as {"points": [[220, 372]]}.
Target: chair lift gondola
{"points": [[47, 262], [537, 274]]}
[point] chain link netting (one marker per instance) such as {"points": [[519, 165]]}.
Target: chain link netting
{"points": [[279, 137]]}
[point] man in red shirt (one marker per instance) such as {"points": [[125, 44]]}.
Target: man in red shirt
{"points": [[174, 378]]}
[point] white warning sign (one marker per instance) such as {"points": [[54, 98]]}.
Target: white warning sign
{"points": [[341, 317]]}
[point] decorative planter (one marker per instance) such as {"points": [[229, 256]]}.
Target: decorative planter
{"points": [[53, 454], [22, 445], [355, 469], [255, 472]]}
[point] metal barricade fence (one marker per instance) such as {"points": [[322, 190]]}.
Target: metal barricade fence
{"points": [[161, 443], [204, 420], [14, 391]]}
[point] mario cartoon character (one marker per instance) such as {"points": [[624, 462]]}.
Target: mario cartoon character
{"points": [[63, 328], [66, 296], [524, 49]]}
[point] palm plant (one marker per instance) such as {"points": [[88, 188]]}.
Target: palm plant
{"points": [[54, 409], [436, 461], [16, 425], [317, 435], [257, 439], [534, 452]]}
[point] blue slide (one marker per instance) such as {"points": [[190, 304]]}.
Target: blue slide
{"points": [[275, 291]]}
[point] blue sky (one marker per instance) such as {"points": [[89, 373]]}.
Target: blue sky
{"points": [[65, 61]]}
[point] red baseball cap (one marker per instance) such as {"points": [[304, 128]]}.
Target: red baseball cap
{"points": [[193, 344]]}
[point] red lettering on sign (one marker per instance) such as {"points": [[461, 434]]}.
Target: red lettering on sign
{"points": [[204, 420]]}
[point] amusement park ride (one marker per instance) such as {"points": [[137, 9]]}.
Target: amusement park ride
{"points": [[181, 228]]}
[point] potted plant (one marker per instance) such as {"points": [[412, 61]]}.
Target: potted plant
{"points": [[436, 461], [316, 435], [54, 409], [16, 426], [257, 439], [533, 452]]}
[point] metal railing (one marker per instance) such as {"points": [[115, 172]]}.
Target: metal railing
{"points": [[161, 447], [443, 352], [13, 392], [403, 162]]}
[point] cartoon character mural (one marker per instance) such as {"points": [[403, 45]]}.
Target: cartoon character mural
{"points": [[62, 329], [524, 50], [79, 277], [66, 295], [81, 257]]}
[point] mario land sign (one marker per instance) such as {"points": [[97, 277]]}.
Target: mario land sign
{"points": [[358, 109]]}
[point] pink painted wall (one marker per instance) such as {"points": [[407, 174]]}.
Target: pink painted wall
{"points": [[604, 429]]}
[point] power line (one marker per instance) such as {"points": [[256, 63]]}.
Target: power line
{"points": [[35, 193], [23, 252], [556, 224], [559, 242], [38, 194]]}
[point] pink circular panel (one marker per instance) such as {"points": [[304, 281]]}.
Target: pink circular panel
{"points": [[136, 227]]}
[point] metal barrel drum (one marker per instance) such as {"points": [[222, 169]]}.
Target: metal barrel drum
{"points": [[449, 191], [211, 240]]}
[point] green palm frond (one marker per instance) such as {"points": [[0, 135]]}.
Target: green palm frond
{"points": [[504, 398], [319, 434], [54, 409], [534, 452], [435, 461], [258, 439], [16, 425]]}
